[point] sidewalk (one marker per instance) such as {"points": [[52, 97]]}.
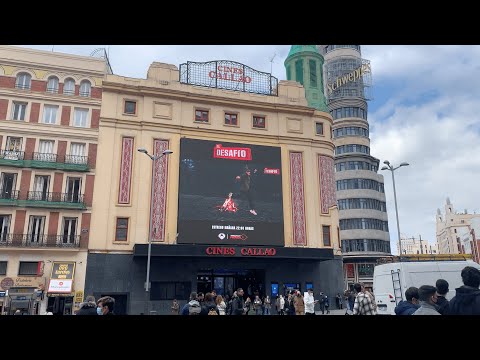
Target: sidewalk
{"points": [[332, 312]]}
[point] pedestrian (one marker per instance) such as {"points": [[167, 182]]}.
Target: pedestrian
{"points": [[193, 306], [428, 300], [442, 302], [257, 305], [321, 301], [310, 302], [363, 303], [175, 307], [238, 304], [299, 303], [89, 307], [221, 306], [339, 302], [209, 307], [409, 306], [106, 306], [267, 305], [281, 302], [327, 304], [467, 298]]}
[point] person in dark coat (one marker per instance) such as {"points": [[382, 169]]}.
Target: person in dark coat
{"points": [[442, 302], [88, 307], [106, 305], [409, 306], [209, 304], [467, 298], [238, 304]]}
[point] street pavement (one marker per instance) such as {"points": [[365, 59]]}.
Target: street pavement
{"points": [[332, 312]]}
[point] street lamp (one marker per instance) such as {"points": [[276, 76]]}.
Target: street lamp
{"points": [[392, 169], [153, 158]]}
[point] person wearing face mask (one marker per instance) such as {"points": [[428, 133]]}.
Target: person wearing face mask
{"points": [[428, 298], [105, 305]]}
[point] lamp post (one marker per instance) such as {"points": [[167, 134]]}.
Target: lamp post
{"points": [[392, 169], [153, 158]]}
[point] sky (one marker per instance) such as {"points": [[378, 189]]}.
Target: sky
{"points": [[425, 111]]}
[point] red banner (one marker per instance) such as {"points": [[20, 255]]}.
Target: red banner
{"points": [[232, 153], [271, 171]]}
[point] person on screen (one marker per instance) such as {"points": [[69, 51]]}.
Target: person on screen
{"points": [[246, 188]]}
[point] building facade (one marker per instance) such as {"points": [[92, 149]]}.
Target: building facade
{"points": [[457, 232], [360, 189], [49, 115], [229, 207], [414, 246]]}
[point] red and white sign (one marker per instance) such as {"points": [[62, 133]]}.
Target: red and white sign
{"points": [[60, 286], [232, 153], [271, 171], [230, 73]]}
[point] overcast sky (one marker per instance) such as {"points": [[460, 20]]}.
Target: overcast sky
{"points": [[425, 112]]}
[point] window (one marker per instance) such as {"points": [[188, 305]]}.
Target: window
{"points": [[4, 227], [50, 114], [29, 268], [170, 290], [40, 188], [69, 230], [69, 87], [259, 122], [366, 270], [77, 154], [299, 71], [326, 235], [130, 107], [74, 186], [24, 81], [201, 115], [85, 88], [231, 119], [13, 149], [319, 128], [18, 110], [313, 73], [3, 267], [121, 231], [80, 117], [52, 85], [45, 151], [35, 229]]}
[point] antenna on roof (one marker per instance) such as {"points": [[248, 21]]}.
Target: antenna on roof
{"points": [[271, 62]]}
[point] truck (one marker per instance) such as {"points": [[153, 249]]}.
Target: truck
{"points": [[393, 278]]}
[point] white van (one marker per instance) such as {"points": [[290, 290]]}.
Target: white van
{"points": [[391, 280]]}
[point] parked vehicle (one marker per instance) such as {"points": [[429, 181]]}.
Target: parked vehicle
{"points": [[391, 280]]}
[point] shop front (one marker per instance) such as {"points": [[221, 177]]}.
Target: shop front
{"points": [[21, 295], [60, 291], [176, 270]]}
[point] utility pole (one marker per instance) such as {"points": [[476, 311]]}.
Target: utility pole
{"points": [[421, 247]]}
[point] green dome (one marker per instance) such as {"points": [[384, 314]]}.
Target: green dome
{"points": [[295, 49]]}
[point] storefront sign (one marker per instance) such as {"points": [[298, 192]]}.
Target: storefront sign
{"points": [[349, 269], [78, 296], [27, 282], [63, 270], [351, 77], [232, 153], [244, 251], [230, 75], [60, 286]]}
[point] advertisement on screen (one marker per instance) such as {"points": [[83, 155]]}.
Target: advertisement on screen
{"points": [[229, 194]]}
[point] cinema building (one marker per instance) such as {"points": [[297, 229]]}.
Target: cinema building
{"points": [[49, 114], [246, 199], [360, 188]]}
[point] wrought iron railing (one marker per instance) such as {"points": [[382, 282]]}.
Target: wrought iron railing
{"points": [[9, 195], [68, 92], [55, 197], [12, 154], [85, 93], [40, 240], [75, 159], [22, 86], [52, 90], [45, 157]]}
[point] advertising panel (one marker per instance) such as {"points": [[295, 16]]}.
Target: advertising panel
{"points": [[230, 194]]}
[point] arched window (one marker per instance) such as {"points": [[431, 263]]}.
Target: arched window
{"points": [[52, 85], [85, 88], [24, 81], [69, 87]]}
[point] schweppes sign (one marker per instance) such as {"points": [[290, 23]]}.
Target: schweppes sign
{"points": [[351, 77]]}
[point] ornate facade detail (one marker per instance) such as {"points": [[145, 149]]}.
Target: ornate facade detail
{"points": [[160, 177], [298, 199], [125, 171], [327, 183]]}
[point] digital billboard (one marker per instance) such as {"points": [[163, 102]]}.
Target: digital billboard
{"points": [[229, 194]]}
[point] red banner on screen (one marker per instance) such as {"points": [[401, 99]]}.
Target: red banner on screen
{"points": [[271, 171], [232, 153]]}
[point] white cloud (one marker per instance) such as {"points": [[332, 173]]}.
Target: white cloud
{"points": [[428, 116]]}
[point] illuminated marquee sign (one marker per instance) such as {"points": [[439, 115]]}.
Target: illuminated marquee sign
{"points": [[228, 75], [351, 77]]}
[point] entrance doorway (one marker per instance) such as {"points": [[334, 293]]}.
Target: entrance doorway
{"points": [[226, 281]]}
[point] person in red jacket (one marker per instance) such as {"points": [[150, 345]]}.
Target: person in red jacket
{"points": [[229, 205]]}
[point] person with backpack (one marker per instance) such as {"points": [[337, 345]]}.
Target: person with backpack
{"points": [[209, 307], [192, 307]]}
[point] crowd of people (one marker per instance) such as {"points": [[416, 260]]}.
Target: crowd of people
{"points": [[103, 306]]}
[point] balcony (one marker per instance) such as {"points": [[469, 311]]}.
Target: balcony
{"points": [[39, 241], [44, 161], [54, 200], [9, 198]]}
